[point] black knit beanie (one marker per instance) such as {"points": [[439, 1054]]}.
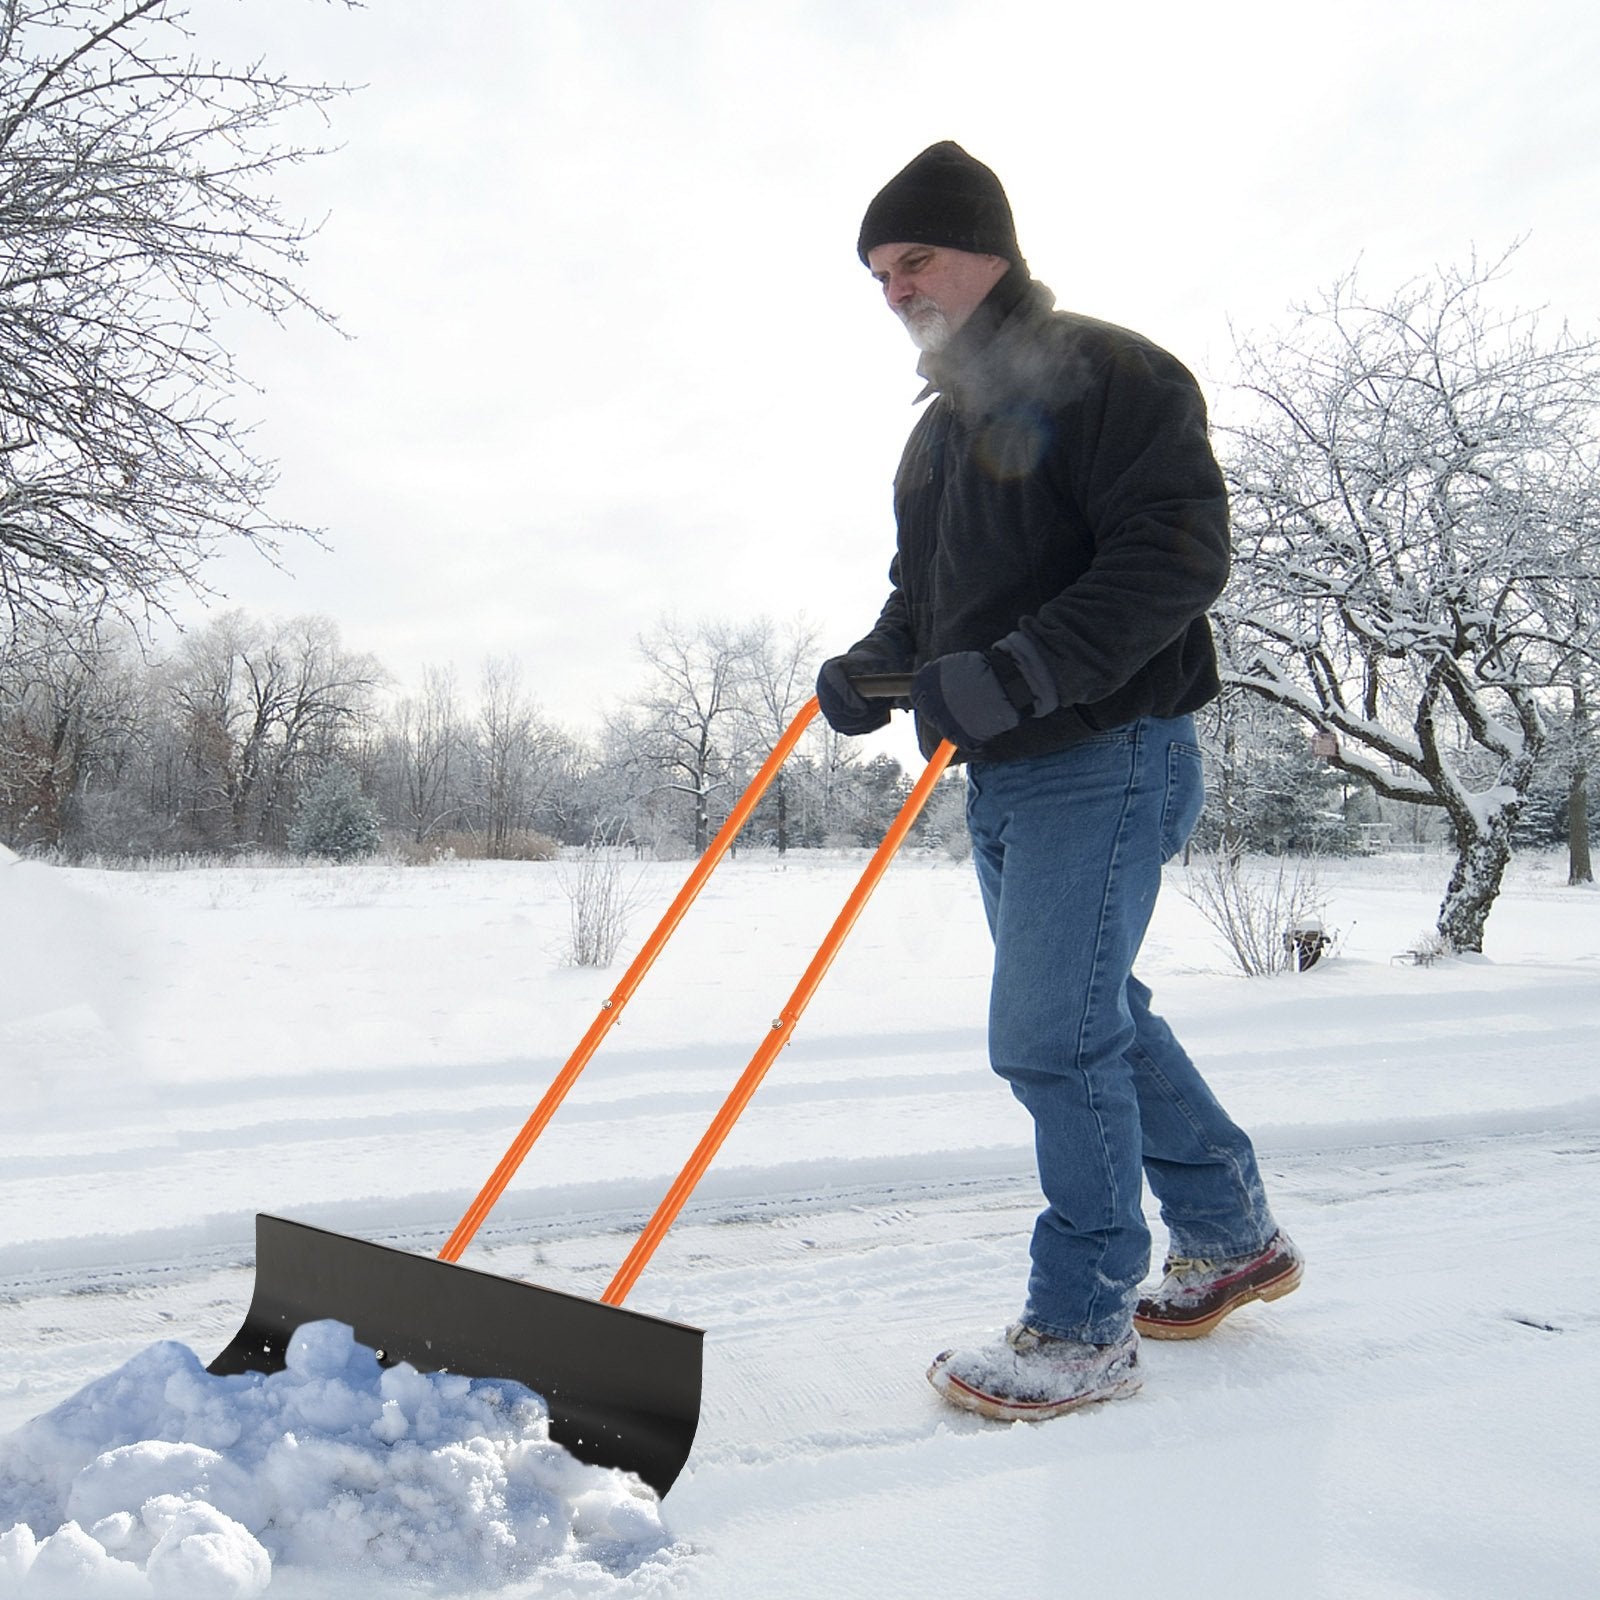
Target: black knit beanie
{"points": [[942, 197]]}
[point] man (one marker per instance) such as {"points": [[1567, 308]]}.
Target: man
{"points": [[1062, 529]]}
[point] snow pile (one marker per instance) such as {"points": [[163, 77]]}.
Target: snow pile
{"points": [[162, 1480]]}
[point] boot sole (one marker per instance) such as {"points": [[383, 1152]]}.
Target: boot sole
{"points": [[965, 1398], [1197, 1329]]}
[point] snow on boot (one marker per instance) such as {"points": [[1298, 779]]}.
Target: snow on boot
{"points": [[1029, 1375], [1196, 1293]]}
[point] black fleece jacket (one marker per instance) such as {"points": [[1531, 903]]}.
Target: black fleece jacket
{"points": [[1060, 492]]}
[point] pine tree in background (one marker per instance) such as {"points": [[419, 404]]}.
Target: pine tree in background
{"points": [[334, 819]]}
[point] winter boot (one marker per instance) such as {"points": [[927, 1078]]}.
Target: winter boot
{"points": [[1196, 1294], [1030, 1375]]}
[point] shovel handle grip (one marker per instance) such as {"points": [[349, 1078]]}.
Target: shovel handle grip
{"points": [[882, 685]]}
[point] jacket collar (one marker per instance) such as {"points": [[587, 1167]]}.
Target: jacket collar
{"points": [[953, 367]]}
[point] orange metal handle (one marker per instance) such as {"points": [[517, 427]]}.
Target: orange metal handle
{"points": [[782, 1028], [611, 1012]]}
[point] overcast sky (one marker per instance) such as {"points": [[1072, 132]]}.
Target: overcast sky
{"points": [[611, 354]]}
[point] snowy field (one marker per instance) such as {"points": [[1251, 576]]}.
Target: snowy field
{"points": [[355, 1046]]}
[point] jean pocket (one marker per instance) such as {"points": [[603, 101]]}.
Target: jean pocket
{"points": [[1185, 799]]}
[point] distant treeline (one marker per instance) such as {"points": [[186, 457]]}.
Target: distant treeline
{"points": [[109, 751]]}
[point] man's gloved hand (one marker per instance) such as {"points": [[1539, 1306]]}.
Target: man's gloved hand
{"points": [[848, 712], [972, 696]]}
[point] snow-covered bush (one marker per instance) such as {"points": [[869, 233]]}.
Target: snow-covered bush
{"points": [[335, 819]]}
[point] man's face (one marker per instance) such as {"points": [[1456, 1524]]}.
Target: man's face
{"points": [[932, 288]]}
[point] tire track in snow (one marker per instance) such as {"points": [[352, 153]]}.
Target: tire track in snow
{"points": [[823, 1305]]}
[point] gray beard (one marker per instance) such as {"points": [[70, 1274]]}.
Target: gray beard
{"points": [[928, 326]]}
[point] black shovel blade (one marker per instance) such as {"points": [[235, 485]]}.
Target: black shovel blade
{"points": [[623, 1389]]}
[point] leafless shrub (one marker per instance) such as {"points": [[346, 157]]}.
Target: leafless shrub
{"points": [[1270, 917], [1430, 947], [601, 892]]}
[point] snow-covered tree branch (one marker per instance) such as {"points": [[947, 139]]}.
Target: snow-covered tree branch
{"points": [[1417, 504], [135, 204]]}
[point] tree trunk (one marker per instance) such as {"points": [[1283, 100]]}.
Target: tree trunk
{"points": [[1580, 868], [702, 793], [1232, 803], [1481, 860]]}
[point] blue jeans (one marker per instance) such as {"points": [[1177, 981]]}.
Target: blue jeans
{"points": [[1069, 849]]}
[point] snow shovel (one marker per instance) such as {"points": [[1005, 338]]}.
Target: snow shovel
{"points": [[623, 1388]]}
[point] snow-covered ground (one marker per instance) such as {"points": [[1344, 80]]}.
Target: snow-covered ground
{"points": [[354, 1047]]}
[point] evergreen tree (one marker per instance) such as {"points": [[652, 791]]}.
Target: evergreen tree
{"points": [[1268, 788], [335, 819]]}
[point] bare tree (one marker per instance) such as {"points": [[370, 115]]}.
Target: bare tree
{"points": [[519, 754], [71, 720], [781, 670], [619, 794], [426, 743], [257, 700], [693, 713], [1418, 486], [135, 202]]}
